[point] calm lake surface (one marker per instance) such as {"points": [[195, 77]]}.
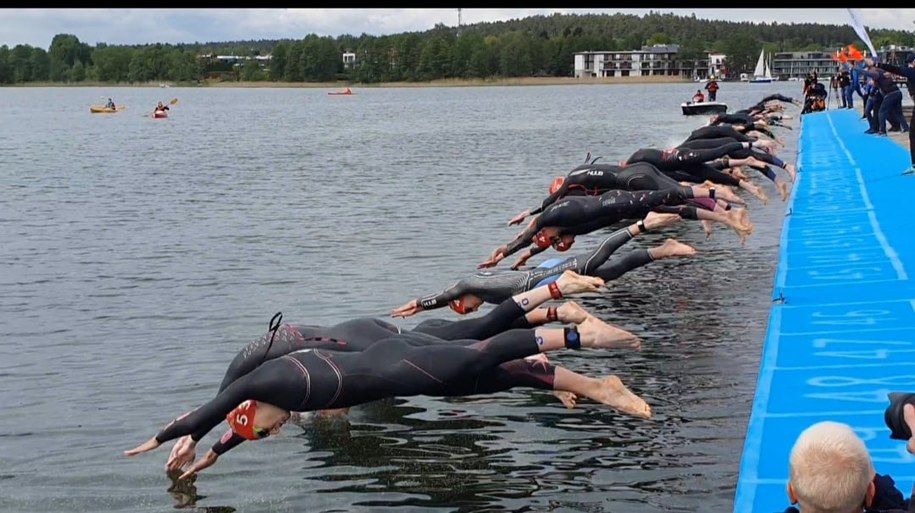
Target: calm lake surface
{"points": [[139, 255]]}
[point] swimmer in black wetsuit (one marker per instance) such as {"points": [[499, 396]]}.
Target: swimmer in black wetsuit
{"points": [[558, 225], [361, 333], [782, 187], [494, 287], [592, 179], [689, 165], [260, 402]]}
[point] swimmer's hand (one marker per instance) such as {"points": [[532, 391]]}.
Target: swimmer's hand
{"points": [[207, 461], [411, 308], [520, 217], [146, 446], [494, 258], [183, 454], [525, 256]]}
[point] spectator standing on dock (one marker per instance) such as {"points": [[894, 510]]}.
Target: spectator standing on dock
{"points": [[909, 73]]}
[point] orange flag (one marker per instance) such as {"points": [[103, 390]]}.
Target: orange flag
{"points": [[843, 57], [854, 53]]}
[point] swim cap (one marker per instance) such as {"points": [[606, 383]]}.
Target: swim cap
{"points": [[893, 415], [458, 305], [241, 419], [564, 243], [557, 183], [541, 240]]}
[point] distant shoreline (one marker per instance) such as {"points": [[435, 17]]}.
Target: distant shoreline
{"points": [[501, 82]]}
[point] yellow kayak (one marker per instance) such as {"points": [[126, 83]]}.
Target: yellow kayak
{"points": [[101, 109]]}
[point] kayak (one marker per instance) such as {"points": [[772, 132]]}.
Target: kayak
{"points": [[341, 93], [101, 109], [160, 114]]}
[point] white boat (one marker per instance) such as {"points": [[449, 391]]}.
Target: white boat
{"points": [[697, 108], [762, 74]]}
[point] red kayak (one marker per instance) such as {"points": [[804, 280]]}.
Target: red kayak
{"points": [[341, 93], [160, 114]]}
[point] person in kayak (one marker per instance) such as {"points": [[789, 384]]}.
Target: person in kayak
{"points": [[110, 104], [161, 107]]}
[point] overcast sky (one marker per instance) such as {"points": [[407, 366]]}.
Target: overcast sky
{"points": [[36, 27]]}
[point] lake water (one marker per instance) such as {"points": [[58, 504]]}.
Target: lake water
{"points": [[139, 255]]}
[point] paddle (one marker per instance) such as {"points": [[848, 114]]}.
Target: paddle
{"points": [[174, 101]]}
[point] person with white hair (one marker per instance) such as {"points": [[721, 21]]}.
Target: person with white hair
{"points": [[830, 471]]}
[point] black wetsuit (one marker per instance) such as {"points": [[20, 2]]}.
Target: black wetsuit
{"points": [[703, 143], [596, 179], [688, 165], [399, 365], [496, 286], [717, 131], [578, 215], [734, 119], [361, 333]]}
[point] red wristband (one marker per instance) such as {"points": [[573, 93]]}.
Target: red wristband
{"points": [[552, 314], [554, 291]]}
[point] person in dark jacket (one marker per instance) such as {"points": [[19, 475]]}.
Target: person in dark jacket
{"points": [[891, 108], [909, 73]]}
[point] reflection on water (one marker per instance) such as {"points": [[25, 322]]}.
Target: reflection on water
{"points": [[184, 492], [140, 255]]}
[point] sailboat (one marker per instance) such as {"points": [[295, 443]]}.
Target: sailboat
{"points": [[762, 74]]}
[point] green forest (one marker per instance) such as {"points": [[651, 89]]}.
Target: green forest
{"points": [[537, 46]]}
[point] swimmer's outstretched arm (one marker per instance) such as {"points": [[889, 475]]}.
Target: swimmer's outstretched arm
{"points": [[431, 302], [523, 240], [262, 384]]}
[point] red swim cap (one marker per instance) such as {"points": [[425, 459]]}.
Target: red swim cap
{"points": [[458, 305], [241, 419], [541, 240], [557, 183], [564, 243]]}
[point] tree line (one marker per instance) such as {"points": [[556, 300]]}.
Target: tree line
{"points": [[533, 46]]}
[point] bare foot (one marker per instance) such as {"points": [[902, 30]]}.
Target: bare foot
{"points": [[571, 312], [738, 173], [739, 220], [568, 398], [725, 193], [741, 217], [784, 189], [571, 282], [613, 392], [707, 225], [597, 334], [756, 191], [672, 248], [655, 220], [792, 171]]}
